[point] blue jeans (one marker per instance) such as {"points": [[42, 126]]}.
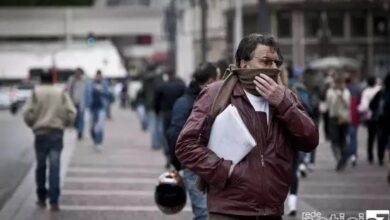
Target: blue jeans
{"points": [[155, 126], [352, 133], [198, 199], [98, 116], [79, 121], [48, 146]]}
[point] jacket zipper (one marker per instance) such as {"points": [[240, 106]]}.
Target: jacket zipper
{"points": [[262, 169], [268, 135]]}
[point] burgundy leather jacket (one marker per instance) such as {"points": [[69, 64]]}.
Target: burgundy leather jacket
{"points": [[258, 184]]}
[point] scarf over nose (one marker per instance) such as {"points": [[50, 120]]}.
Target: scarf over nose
{"points": [[246, 78]]}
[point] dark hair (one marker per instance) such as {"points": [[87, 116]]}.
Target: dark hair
{"points": [[78, 69], [371, 81], [222, 64], [249, 43], [204, 72], [47, 76], [98, 72], [170, 72]]}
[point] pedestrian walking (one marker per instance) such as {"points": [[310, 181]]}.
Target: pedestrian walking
{"points": [[48, 112], [222, 65], [166, 95], [338, 99], [150, 82], [97, 99], [380, 108], [124, 97], [302, 162], [75, 87], [366, 114], [205, 74], [355, 92], [257, 186]]}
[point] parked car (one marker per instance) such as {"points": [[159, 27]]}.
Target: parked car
{"points": [[19, 95], [5, 99]]}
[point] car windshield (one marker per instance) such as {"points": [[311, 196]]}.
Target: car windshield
{"points": [[26, 86]]}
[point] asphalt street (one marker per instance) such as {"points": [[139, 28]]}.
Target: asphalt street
{"points": [[16, 152]]}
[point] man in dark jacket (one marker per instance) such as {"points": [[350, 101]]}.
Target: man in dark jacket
{"points": [[380, 108], [257, 186], [166, 95], [150, 82], [204, 75]]}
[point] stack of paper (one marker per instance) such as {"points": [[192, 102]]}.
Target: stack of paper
{"points": [[230, 138]]}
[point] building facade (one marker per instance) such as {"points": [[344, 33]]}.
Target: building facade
{"points": [[310, 29]]}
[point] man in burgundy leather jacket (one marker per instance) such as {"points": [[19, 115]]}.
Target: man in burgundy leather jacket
{"points": [[257, 186]]}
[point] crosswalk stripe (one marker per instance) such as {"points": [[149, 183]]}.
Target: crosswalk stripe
{"points": [[341, 184], [109, 180], [344, 196], [115, 208], [108, 192], [115, 170]]}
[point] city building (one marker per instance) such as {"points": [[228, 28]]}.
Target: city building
{"points": [[309, 29]]}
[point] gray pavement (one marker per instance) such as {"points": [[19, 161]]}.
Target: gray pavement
{"points": [[16, 153], [119, 182], [352, 191]]}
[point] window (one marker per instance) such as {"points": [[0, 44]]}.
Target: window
{"points": [[358, 24], [312, 23], [284, 20], [381, 25], [336, 23]]}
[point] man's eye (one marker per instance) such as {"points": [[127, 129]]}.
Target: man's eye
{"points": [[267, 62]]}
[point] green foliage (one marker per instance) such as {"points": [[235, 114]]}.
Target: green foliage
{"points": [[31, 3]]}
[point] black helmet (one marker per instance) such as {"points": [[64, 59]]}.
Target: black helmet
{"points": [[170, 194]]}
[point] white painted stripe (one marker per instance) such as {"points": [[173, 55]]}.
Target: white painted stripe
{"points": [[118, 157], [115, 208], [332, 183], [345, 196], [109, 180], [108, 192], [115, 170]]}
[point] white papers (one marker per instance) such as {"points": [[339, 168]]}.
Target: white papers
{"points": [[230, 138]]}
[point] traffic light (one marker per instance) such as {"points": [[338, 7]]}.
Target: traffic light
{"points": [[145, 39], [91, 40]]}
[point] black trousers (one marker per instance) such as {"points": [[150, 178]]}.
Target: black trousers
{"points": [[339, 140], [383, 138], [372, 128], [297, 159]]}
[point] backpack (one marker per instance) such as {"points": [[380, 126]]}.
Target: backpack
{"points": [[341, 110], [377, 105]]}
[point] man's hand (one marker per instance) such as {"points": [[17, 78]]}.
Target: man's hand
{"points": [[273, 92]]}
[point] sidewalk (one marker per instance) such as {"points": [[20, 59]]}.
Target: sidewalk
{"points": [[115, 184], [119, 182]]}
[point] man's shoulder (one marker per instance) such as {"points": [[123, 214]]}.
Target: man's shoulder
{"points": [[45, 91], [213, 88]]}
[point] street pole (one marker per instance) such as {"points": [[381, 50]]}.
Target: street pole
{"points": [[204, 9], [263, 17], [171, 26], [324, 34], [68, 27], [237, 23]]}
